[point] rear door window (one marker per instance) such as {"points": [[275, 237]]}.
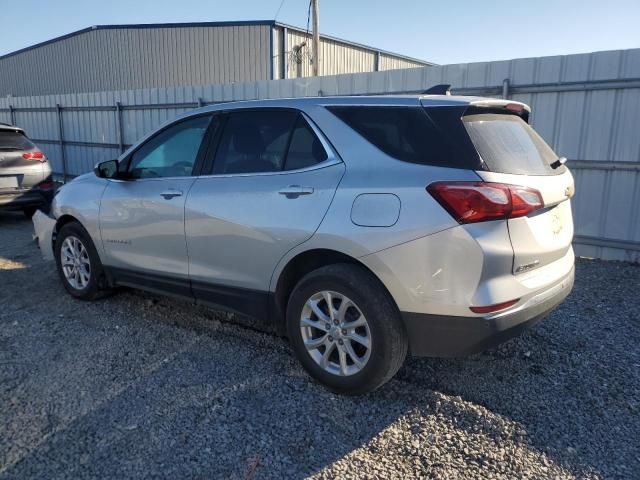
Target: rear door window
{"points": [[269, 140], [507, 144], [14, 141], [254, 141]]}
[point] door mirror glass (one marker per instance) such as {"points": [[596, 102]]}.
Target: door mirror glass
{"points": [[108, 169]]}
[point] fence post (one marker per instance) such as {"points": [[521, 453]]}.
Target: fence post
{"points": [[119, 127], [61, 142], [505, 88], [12, 114]]}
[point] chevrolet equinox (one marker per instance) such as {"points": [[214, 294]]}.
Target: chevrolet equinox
{"points": [[361, 228]]}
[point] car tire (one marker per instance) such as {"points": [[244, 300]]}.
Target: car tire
{"points": [[80, 256], [332, 356], [29, 211]]}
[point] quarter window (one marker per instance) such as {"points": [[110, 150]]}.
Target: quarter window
{"points": [[171, 153], [412, 135]]}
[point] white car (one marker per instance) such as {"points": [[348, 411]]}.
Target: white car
{"points": [[362, 228]]}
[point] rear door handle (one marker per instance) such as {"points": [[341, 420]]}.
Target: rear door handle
{"points": [[294, 191], [169, 194]]}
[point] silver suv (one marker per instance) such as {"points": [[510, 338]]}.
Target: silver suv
{"points": [[359, 227], [25, 174]]}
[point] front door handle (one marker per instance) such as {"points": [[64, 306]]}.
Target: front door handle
{"points": [[294, 191], [169, 194]]}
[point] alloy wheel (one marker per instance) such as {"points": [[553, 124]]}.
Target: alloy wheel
{"points": [[335, 333], [74, 259]]}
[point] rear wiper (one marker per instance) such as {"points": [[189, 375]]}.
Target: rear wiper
{"points": [[559, 162]]}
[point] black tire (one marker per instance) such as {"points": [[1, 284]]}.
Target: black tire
{"points": [[388, 337], [97, 285], [29, 211]]}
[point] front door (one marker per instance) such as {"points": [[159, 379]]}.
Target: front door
{"points": [[272, 182], [142, 217]]}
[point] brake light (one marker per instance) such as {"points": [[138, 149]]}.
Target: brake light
{"points": [[35, 155], [471, 202], [514, 107], [495, 307]]}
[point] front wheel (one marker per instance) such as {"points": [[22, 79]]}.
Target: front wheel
{"points": [[345, 329], [78, 263]]}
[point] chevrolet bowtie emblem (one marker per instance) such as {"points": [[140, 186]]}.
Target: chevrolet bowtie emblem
{"points": [[569, 191]]}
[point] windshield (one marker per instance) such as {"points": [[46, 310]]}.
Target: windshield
{"points": [[507, 144]]}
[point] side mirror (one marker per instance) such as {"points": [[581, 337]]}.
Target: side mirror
{"points": [[108, 169]]}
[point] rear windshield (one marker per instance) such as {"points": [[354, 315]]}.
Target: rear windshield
{"points": [[507, 144], [412, 135], [14, 141]]}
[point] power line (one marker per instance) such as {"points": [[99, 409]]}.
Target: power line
{"points": [[275, 17]]}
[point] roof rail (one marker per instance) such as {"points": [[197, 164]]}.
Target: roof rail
{"points": [[442, 89]]}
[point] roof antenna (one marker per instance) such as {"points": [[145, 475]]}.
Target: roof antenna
{"points": [[442, 89]]}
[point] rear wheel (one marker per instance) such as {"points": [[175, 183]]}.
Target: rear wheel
{"points": [[345, 329], [29, 211], [78, 263]]}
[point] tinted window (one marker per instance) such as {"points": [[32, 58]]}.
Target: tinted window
{"points": [[412, 135], [507, 144], [171, 153], [305, 148], [14, 141], [254, 141]]}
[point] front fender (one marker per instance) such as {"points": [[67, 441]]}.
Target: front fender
{"points": [[43, 226], [80, 199]]}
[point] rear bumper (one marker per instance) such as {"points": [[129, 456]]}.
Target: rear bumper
{"points": [[452, 336], [19, 199]]}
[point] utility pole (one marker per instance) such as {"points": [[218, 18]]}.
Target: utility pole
{"points": [[316, 38]]}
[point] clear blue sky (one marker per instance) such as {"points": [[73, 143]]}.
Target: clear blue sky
{"points": [[449, 31]]}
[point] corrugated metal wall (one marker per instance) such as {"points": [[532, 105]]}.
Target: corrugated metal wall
{"points": [[389, 62], [111, 58], [128, 58], [336, 57], [586, 106]]}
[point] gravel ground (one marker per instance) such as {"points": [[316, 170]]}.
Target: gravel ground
{"points": [[136, 385]]}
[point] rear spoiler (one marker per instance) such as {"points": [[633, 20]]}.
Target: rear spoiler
{"points": [[10, 128], [442, 89], [498, 105]]}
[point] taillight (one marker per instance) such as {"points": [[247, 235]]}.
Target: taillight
{"points": [[46, 185], [471, 202], [35, 155]]}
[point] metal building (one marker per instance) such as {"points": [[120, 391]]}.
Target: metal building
{"points": [[120, 57]]}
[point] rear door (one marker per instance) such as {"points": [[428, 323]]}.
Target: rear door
{"points": [[272, 181], [514, 153]]}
